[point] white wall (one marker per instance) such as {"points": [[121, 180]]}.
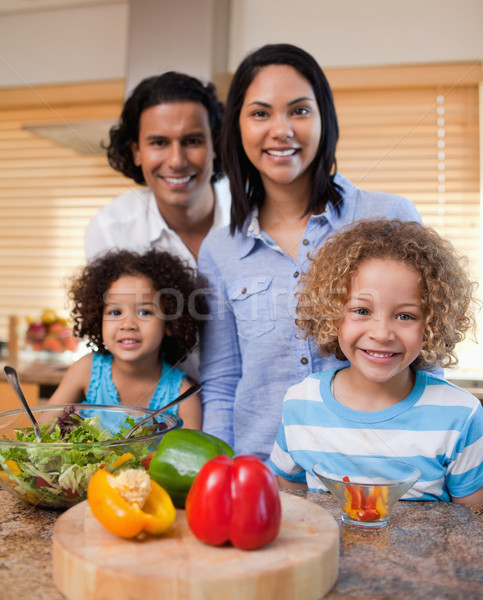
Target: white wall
{"points": [[87, 41], [362, 32], [78, 43]]}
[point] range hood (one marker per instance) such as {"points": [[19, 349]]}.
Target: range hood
{"points": [[191, 36], [87, 137]]}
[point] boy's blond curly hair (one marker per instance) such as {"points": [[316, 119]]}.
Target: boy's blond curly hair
{"points": [[448, 295]]}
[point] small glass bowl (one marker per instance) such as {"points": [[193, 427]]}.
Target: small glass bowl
{"points": [[56, 475], [366, 487]]}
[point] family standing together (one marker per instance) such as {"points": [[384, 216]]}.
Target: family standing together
{"points": [[318, 316]]}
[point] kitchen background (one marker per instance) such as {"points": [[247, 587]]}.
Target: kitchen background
{"points": [[407, 80]]}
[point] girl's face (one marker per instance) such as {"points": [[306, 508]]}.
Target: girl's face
{"points": [[381, 332], [133, 325], [280, 124]]}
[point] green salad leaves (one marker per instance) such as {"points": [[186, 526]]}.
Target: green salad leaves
{"points": [[57, 477]]}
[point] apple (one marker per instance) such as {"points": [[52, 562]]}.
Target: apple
{"points": [[36, 332]]}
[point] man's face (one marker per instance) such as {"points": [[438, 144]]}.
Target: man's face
{"points": [[175, 152]]}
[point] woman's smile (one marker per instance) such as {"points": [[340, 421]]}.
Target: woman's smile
{"points": [[280, 125]]}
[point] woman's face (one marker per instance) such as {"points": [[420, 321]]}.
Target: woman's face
{"points": [[280, 124]]}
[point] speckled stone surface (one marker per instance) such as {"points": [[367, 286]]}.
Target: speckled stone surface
{"points": [[26, 551], [430, 550]]}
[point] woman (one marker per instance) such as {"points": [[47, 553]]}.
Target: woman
{"points": [[278, 145]]}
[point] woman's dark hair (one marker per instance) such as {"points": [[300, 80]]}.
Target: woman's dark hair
{"points": [[161, 89], [182, 302], [245, 182]]}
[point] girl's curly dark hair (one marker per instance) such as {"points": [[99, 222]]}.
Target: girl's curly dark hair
{"points": [[161, 89], [183, 300], [447, 293]]}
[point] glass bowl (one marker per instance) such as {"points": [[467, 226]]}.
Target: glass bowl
{"points": [[366, 487], [55, 474]]}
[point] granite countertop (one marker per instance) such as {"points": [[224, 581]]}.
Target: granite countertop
{"points": [[430, 550]]}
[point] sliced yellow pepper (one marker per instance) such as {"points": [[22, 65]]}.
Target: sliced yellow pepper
{"points": [[128, 519], [381, 504], [122, 459], [14, 468]]}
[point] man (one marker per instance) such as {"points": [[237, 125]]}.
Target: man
{"points": [[167, 140]]}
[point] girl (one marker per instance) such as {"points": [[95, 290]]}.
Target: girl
{"points": [[278, 148], [394, 300], [140, 314]]}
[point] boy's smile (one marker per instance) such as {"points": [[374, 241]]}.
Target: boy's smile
{"points": [[381, 331]]}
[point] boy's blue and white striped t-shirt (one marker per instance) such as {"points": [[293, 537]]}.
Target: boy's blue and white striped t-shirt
{"points": [[438, 428]]}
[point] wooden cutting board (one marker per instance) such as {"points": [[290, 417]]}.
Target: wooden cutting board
{"points": [[90, 563]]}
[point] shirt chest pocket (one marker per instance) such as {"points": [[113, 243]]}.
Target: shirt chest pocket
{"points": [[250, 301]]}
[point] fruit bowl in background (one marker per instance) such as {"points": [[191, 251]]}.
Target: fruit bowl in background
{"points": [[51, 333], [366, 487], [56, 474]]}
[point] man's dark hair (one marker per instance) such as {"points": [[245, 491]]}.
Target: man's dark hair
{"points": [[167, 88]]}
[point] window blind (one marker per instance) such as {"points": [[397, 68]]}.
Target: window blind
{"points": [[411, 130], [48, 192], [417, 135]]}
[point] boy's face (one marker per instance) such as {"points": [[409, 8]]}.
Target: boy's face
{"points": [[381, 331], [133, 326]]}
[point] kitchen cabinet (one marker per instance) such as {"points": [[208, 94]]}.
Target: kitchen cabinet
{"points": [[38, 379], [8, 399]]}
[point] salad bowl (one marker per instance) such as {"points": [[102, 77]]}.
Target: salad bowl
{"points": [[366, 487], [76, 440]]}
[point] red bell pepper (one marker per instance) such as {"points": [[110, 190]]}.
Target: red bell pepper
{"points": [[234, 500]]}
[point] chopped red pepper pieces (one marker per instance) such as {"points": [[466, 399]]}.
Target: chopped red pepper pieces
{"points": [[367, 506], [146, 461]]}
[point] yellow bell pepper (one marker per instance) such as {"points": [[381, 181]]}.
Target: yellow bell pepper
{"points": [[122, 459], [14, 468], [130, 503]]}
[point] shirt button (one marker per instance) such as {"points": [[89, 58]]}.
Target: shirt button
{"points": [[296, 274], [303, 360], [244, 291], [305, 242]]}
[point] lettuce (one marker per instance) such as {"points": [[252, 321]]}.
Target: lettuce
{"points": [[59, 478]]}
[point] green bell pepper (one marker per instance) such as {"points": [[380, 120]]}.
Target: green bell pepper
{"points": [[179, 458]]}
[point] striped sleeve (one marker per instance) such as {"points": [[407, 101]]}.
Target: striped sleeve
{"points": [[465, 471]]}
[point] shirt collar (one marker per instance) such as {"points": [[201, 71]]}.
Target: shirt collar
{"points": [[253, 233], [249, 234], [156, 224], [251, 228], [159, 228]]}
